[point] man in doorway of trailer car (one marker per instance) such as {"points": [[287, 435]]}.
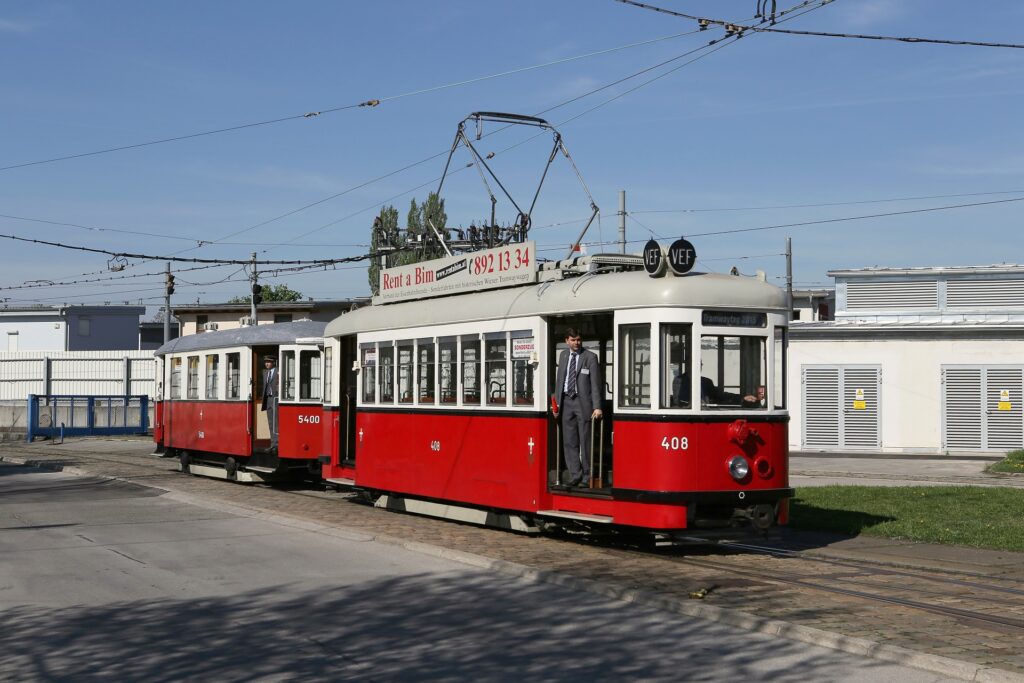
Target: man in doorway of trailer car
{"points": [[578, 394], [270, 384]]}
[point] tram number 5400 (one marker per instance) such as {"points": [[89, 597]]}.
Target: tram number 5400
{"points": [[675, 443]]}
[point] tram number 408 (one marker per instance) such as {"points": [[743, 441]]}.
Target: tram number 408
{"points": [[675, 443]]}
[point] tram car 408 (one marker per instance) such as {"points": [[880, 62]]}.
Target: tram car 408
{"points": [[210, 408], [440, 404]]}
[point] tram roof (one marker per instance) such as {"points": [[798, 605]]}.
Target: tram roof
{"points": [[595, 292], [255, 335]]}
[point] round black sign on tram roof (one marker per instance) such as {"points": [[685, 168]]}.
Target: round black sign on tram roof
{"points": [[654, 262], [682, 256]]}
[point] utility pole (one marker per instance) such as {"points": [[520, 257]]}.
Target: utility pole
{"points": [[255, 292], [622, 221], [168, 290], [789, 277]]}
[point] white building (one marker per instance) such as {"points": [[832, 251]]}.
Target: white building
{"points": [[918, 360], [70, 328]]}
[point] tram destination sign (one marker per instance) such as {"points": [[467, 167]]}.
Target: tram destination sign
{"points": [[733, 319], [513, 264]]}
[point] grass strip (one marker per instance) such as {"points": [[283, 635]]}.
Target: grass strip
{"points": [[1013, 462], [975, 516]]}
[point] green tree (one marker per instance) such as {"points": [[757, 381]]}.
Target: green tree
{"points": [[281, 292], [384, 232]]}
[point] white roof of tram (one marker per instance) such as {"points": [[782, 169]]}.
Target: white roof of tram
{"points": [[255, 335], [595, 292]]}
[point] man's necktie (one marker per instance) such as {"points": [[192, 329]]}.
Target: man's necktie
{"points": [[571, 387]]}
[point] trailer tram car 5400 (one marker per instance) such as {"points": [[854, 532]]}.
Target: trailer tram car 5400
{"points": [[440, 405], [209, 404]]}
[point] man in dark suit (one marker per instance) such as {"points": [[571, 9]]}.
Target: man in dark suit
{"points": [[270, 387], [578, 393]]}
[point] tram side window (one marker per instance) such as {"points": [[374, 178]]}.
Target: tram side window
{"points": [[471, 371], [494, 371], [779, 388], [405, 372], [193, 377], [234, 375], [426, 370], [309, 375], [369, 367], [635, 366], [732, 367], [175, 378], [522, 368], [212, 375], [288, 376], [328, 369], [386, 376], [448, 371], [676, 379]]}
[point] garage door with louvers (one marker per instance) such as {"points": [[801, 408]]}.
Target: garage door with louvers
{"points": [[841, 406], [1004, 426], [981, 407], [820, 403], [961, 408]]}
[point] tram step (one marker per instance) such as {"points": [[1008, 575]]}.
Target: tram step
{"points": [[580, 516], [262, 470], [343, 481], [221, 473]]}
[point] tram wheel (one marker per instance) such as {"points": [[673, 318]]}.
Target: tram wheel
{"points": [[185, 459], [231, 467]]}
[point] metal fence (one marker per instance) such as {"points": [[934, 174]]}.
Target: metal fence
{"points": [[51, 415], [78, 373]]}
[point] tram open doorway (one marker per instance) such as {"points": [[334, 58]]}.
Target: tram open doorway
{"points": [[263, 455], [597, 331]]}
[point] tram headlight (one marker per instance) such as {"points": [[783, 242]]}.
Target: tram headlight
{"points": [[739, 467]]}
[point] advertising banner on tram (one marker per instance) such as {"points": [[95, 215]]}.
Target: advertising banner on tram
{"points": [[513, 264]]}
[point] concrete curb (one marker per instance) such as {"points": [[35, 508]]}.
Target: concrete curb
{"points": [[748, 622]]}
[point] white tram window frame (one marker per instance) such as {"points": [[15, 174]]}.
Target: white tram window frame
{"points": [[174, 377], [496, 371], [386, 373], [368, 374], [673, 371], [426, 372], [522, 371], [289, 376], [310, 375], [233, 374], [470, 343], [212, 383], [780, 365], [735, 332], [448, 371], [471, 332], [193, 380], [405, 372], [327, 391]]}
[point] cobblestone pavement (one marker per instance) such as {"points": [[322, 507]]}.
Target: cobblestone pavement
{"points": [[625, 572]]}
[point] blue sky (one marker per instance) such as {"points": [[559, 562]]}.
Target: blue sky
{"points": [[770, 121]]}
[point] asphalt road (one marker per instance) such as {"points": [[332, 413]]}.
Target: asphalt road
{"points": [[101, 579]]}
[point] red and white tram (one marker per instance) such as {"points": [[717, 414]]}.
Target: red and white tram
{"points": [[208, 408], [440, 405]]}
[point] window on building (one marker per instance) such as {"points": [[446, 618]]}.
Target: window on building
{"points": [[193, 377], [84, 326], [201, 321], [448, 371], [282, 317], [12, 341], [676, 379], [425, 370], [495, 355], [234, 375], [635, 366], [310, 380], [175, 378], [732, 368], [288, 378], [212, 375], [471, 371]]}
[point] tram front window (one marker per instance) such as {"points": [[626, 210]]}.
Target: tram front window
{"points": [[733, 372], [675, 365]]}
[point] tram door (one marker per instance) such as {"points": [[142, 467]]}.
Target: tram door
{"points": [[597, 332], [260, 421], [347, 400]]}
